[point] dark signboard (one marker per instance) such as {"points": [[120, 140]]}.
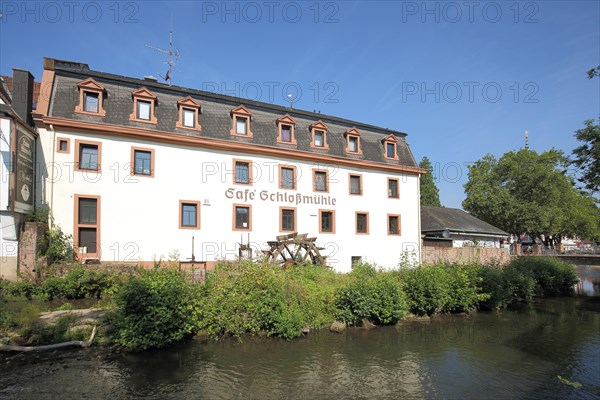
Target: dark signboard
{"points": [[24, 176]]}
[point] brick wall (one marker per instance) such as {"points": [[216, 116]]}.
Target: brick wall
{"points": [[464, 255]]}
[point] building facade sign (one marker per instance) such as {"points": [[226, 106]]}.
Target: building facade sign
{"points": [[279, 197], [24, 176]]}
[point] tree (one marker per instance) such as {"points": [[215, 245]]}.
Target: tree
{"points": [[587, 156], [594, 72], [430, 195], [525, 191]]}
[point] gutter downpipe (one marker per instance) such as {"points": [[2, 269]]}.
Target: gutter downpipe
{"points": [[51, 219], [420, 242]]}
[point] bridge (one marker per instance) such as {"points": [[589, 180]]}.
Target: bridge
{"points": [[588, 259]]}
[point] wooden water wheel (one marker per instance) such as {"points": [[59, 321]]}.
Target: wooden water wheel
{"points": [[295, 248]]}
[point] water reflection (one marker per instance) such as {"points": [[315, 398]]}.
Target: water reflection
{"points": [[589, 280], [515, 353]]}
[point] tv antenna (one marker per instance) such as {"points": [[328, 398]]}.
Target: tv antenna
{"points": [[291, 100], [168, 77]]}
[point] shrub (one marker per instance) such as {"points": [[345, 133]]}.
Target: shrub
{"points": [[504, 286], [426, 289], [248, 297], [520, 286], [252, 297], [371, 294], [154, 309], [316, 287], [553, 277], [442, 288], [464, 291]]}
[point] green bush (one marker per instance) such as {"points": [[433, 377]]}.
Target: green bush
{"points": [[442, 288], [249, 297], [426, 288], [154, 309], [253, 297], [504, 286], [464, 292], [316, 287], [553, 277], [371, 294]]}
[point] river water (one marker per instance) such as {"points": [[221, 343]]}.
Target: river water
{"points": [[512, 354]]}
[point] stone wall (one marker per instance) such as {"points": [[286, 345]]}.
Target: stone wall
{"points": [[31, 235], [465, 255]]}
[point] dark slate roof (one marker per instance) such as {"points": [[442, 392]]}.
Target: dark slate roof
{"points": [[438, 219], [215, 115]]}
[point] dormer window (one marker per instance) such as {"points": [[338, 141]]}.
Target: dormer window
{"points": [[91, 96], [319, 135], [143, 110], [188, 114], [353, 142], [144, 103], [90, 102], [240, 117], [285, 130], [389, 147]]}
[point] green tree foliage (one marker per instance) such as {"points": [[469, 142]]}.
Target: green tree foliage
{"points": [[430, 195], [587, 156], [527, 191]]}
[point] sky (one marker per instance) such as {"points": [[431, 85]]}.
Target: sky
{"points": [[462, 79]]}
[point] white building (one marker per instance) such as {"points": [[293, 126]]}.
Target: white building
{"points": [[17, 162], [134, 169]]}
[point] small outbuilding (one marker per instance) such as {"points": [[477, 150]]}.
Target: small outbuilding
{"points": [[452, 227]]}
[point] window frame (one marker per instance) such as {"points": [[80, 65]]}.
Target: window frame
{"points": [[319, 126], [195, 203], [397, 188], [132, 163], [77, 226], [366, 214], [399, 230], [241, 112], [66, 140], [188, 103], [295, 220], [321, 231], [143, 94], [294, 177], [88, 86], [250, 175], [86, 95], [390, 140], [360, 184], [286, 120], [234, 214], [353, 133], [78, 144], [314, 175]]}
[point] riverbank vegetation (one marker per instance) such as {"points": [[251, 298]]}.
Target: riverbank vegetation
{"points": [[153, 308]]}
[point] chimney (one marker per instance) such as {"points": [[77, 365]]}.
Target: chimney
{"points": [[22, 94]]}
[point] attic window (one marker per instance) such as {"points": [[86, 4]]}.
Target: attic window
{"points": [[188, 114], [285, 130], [240, 118], [353, 142], [390, 148], [318, 132], [144, 104], [91, 98]]}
